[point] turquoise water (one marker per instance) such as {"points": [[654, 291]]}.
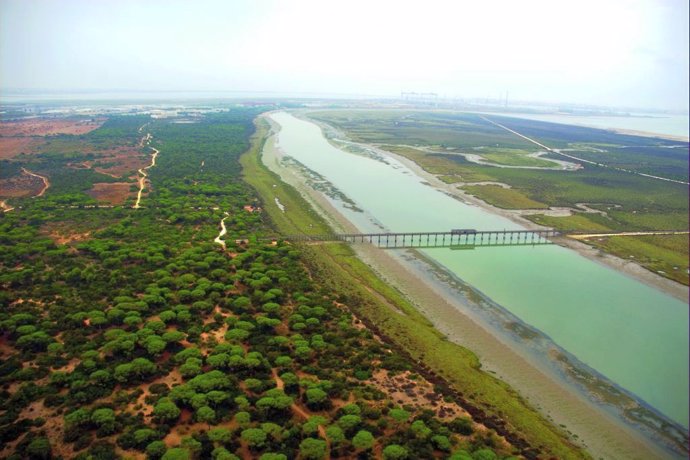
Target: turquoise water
{"points": [[631, 333]]}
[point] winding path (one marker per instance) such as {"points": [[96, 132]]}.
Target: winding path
{"points": [[223, 231], [46, 184], [5, 207], [300, 412], [597, 235], [560, 152], [142, 173]]}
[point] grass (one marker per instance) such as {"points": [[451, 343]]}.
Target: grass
{"points": [[514, 157], [441, 164], [579, 221], [505, 198], [384, 309], [455, 130]]}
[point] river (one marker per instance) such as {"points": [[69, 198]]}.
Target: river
{"points": [[633, 334]]}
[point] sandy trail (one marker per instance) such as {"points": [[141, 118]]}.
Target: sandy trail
{"points": [[297, 410], [602, 434], [5, 207], [597, 235], [142, 173], [223, 231], [46, 183], [560, 152]]}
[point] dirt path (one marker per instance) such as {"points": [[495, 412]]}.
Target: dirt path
{"points": [[560, 152], [5, 207], [598, 235], [46, 183], [223, 231], [142, 173], [299, 411]]}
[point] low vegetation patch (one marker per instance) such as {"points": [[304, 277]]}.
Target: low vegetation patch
{"points": [[502, 197]]}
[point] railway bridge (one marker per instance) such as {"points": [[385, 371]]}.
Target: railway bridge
{"points": [[458, 238]]}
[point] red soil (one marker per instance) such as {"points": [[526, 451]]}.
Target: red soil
{"points": [[46, 127], [10, 147], [20, 186], [126, 162], [115, 193]]}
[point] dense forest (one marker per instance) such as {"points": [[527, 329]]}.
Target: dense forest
{"points": [[129, 333]]}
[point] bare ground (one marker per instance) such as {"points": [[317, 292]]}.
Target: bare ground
{"points": [[20, 186], [115, 193], [48, 126], [10, 147]]}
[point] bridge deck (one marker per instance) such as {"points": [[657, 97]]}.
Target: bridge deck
{"points": [[458, 239], [433, 239]]}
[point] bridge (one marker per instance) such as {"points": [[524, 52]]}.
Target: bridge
{"points": [[459, 238]]}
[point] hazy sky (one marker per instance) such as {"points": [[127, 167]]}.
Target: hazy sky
{"points": [[605, 52]]}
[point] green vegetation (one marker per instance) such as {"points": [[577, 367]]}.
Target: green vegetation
{"points": [[502, 197], [631, 202], [512, 157], [131, 333]]}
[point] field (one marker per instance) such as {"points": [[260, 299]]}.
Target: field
{"points": [[48, 126], [10, 147], [115, 193], [512, 157], [627, 201], [502, 197], [25, 135]]}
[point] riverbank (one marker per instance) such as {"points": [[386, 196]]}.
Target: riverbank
{"points": [[602, 434]]}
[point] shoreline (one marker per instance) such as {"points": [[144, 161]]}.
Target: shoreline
{"points": [[601, 433]]}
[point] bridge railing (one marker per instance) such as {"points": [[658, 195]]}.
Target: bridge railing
{"points": [[459, 239], [431, 239]]}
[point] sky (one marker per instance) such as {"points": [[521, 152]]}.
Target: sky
{"points": [[617, 53]]}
